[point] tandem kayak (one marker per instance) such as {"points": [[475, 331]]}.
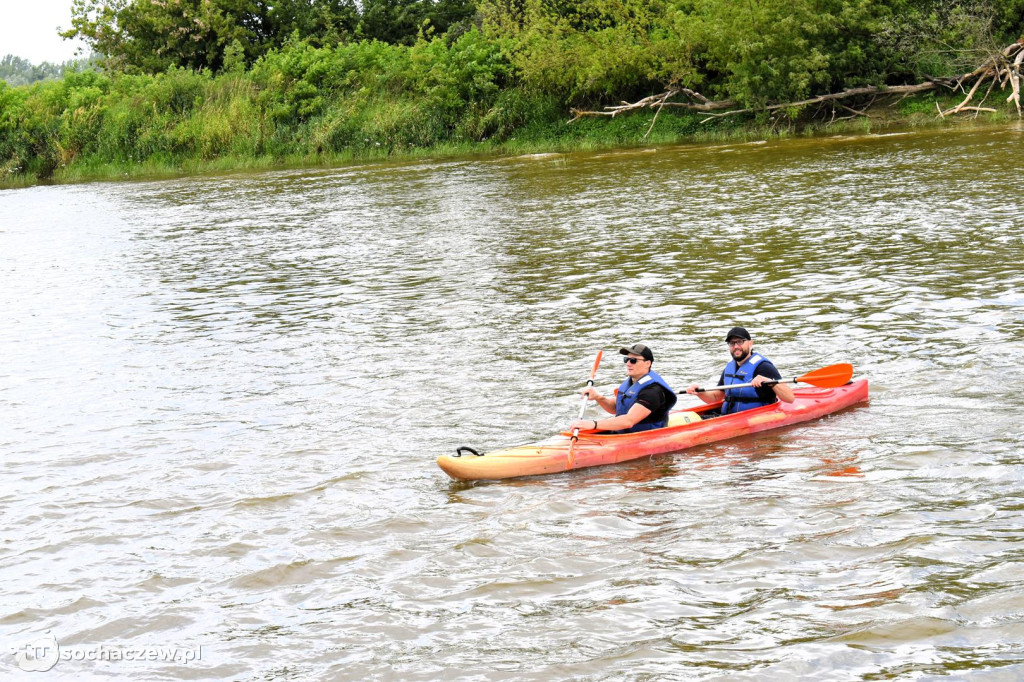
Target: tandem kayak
{"points": [[686, 428]]}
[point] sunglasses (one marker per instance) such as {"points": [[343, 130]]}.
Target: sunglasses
{"points": [[737, 342], [631, 361]]}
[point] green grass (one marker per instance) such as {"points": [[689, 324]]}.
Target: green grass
{"points": [[224, 129]]}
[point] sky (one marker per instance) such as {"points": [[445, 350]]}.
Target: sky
{"points": [[28, 29]]}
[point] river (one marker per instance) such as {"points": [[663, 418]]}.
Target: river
{"points": [[221, 398]]}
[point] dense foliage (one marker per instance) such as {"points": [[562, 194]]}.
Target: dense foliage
{"points": [[150, 36], [190, 81], [753, 51]]}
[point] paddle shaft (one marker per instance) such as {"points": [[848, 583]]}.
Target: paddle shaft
{"points": [[586, 400], [832, 376], [795, 380], [570, 460]]}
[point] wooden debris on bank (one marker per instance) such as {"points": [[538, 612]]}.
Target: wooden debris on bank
{"points": [[1002, 69]]}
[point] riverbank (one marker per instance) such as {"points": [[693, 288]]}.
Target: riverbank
{"points": [[472, 94], [544, 136], [505, 82]]}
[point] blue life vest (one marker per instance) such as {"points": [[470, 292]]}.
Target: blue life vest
{"points": [[627, 393], [740, 399]]}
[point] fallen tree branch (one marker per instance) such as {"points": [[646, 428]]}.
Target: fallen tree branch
{"points": [[657, 101], [998, 67], [1015, 81], [958, 108], [661, 100], [653, 121], [857, 112], [855, 92]]}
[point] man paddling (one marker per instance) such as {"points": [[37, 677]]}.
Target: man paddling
{"points": [[641, 403], [746, 367]]}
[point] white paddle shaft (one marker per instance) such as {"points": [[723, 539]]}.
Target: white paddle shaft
{"points": [[731, 386], [583, 408]]}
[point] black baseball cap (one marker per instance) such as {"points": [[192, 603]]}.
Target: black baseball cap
{"points": [[738, 333], [638, 349]]}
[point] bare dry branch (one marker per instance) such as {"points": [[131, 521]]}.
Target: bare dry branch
{"points": [[1015, 80], [657, 101], [997, 67], [958, 108], [856, 112]]}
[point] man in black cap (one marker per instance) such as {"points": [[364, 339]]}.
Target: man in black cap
{"points": [[641, 403], [746, 367]]}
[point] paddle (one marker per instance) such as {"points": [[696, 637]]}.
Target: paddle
{"points": [[832, 376], [583, 408]]}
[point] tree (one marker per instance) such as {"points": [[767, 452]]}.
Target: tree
{"points": [[17, 71], [151, 36], [400, 22]]}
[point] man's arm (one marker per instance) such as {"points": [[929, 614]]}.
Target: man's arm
{"points": [[708, 396], [766, 371], [650, 399], [607, 404], [636, 414]]}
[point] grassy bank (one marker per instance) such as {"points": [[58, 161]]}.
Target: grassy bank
{"points": [[305, 106], [553, 136]]}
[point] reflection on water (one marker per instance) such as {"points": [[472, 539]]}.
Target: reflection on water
{"points": [[223, 398]]}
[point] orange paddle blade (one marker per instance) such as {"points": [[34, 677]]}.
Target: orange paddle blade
{"points": [[832, 376]]}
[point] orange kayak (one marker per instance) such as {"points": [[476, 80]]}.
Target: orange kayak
{"points": [[686, 429]]}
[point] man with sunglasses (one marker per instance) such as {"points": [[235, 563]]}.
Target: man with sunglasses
{"points": [[746, 367], [641, 403]]}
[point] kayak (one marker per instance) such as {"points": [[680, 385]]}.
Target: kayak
{"points": [[686, 429]]}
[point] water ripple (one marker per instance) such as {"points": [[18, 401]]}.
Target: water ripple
{"points": [[222, 398]]}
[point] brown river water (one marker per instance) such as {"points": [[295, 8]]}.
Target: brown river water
{"points": [[221, 399]]}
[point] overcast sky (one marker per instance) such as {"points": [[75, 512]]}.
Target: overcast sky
{"points": [[28, 29]]}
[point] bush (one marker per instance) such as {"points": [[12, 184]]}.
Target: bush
{"points": [[458, 79], [581, 53], [299, 81], [15, 139]]}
